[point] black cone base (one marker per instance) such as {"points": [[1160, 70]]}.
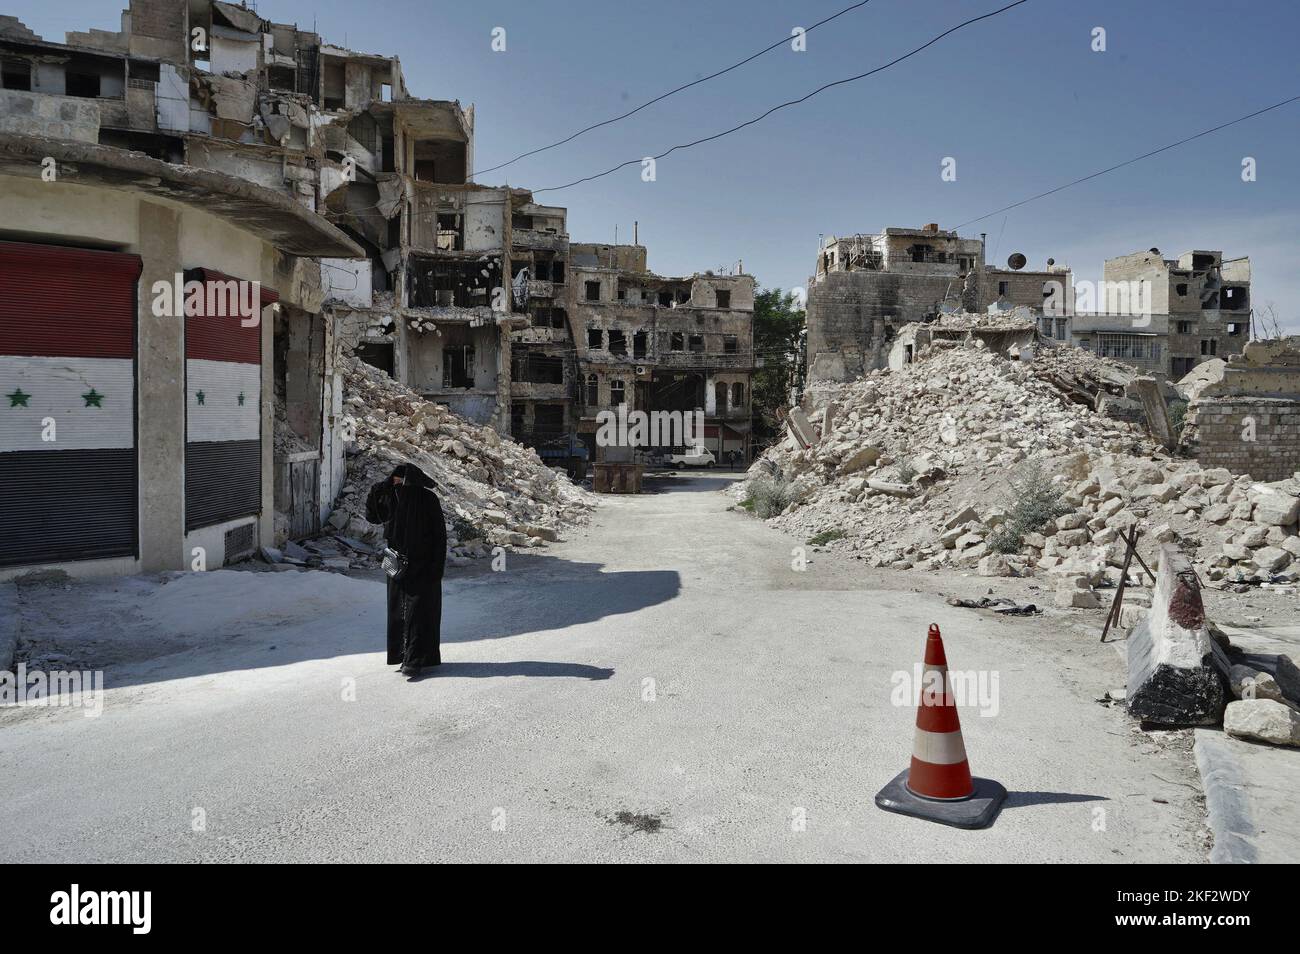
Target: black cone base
{"points": [[978, 811]]}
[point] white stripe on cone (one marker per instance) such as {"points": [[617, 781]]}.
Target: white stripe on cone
{"points": [[90, 400], [939, 748], [221, 416]]}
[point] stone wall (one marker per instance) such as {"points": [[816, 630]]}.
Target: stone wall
{"points": [[1247, 435]]}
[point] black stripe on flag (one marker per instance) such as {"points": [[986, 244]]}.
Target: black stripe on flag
{"points": [[223, 480], [68, 505]]}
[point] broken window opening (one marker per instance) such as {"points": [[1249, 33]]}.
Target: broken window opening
{"points": [[458, 366], [559, 319], [724, 298], [738, 395], [283, 78], [665, 298], [557, 273], [1233, 298], [81, 84], [617, 392], [720, 396], [593, 390], [696, 344], [617, 342], [1002, 289], [533, 368], [1184, 327], [460, 284], [640, 344], [730, 344], [1234, 328], [1209, 346], [518, 221], [16, 75], [595, 338], [593, 291], [451, 237], [1181, 288], [677, 342]]}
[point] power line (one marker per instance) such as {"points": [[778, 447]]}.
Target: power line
{"points": [[793, 102], [1127, 162], [671, 92]]}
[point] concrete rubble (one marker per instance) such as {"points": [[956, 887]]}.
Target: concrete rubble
{"points": [[918, 466], [494, 492]]}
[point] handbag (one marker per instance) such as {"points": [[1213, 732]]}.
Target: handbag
{"points": [[394, 563]]}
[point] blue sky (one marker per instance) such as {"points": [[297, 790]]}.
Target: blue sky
{"points": [[1020, 101]]}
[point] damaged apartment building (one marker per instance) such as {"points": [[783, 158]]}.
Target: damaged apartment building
{"points": [[361, 194], [867, 287], [654, 343], [195, 143]]}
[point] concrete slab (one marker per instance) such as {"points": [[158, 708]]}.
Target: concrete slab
{"points": [[1250, 796]]}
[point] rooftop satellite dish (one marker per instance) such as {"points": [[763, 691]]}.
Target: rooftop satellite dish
{"points": [[1016, 261]]}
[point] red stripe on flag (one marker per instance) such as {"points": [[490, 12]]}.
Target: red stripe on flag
{"points": [[220, 338], [67, 302]]}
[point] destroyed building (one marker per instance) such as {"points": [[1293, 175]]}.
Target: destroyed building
{"points": [[130, 166], [1199, 309], [368, 235], [655, 343], [866, 287]]}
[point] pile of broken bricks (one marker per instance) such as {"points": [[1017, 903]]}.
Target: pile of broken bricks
{"points": [[494, 492], [913, 466]]}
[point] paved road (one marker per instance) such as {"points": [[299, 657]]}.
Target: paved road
{"points": [[536, 742]]}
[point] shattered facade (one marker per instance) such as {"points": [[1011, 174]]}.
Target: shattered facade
{"points": [[655, 343]]}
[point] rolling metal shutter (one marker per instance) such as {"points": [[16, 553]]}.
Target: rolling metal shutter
{"points": [[223, 400], [68, 474]]}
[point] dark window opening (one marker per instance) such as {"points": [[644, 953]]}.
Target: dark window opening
{"points": [[665, 298], [1002, 288], [617, 342], [1234, 298], [720, 396], [622, 294], [1184, 327], [640, 344], [521, 222], [593, 390], [724, 299], [738, 395], [280, 77], [548, 419], [557, 273], [81, 84], [683, 297], [729, 344], [595, 338], [677, 342], [617, 392], [458, 366], [1209, 346], [377, 354], [593, 291], [517, 409], [1234, 328], [533, 368], [1201, 263], [559, 318], [920, 253], [1181, 288], [697, 344], [16, 74]]}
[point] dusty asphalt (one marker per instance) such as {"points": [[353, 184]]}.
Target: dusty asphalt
{"points": [[537, 740]]}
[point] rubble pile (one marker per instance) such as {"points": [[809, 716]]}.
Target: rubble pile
{"points": [[918, 467], [494, 492]]}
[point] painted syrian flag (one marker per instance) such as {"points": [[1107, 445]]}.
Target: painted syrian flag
{"points": [[223, 416], [67, 403]]}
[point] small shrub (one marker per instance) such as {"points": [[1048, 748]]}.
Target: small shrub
{"points": [[747, 504], [825, 537], [905, 473], [1177, 417], [770, 495], [1033, 502], [463, 529]]}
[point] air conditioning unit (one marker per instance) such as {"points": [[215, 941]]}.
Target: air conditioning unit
{"points": [[640, 370]]}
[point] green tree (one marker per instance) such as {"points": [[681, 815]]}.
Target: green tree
{"points": [[778, 341]]}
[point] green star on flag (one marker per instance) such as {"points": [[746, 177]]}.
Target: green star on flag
{"points": [[17, 398], [201, 396], [93, 398]]}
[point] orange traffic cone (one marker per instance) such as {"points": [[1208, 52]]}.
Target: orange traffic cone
{"points": [[938, 786]]}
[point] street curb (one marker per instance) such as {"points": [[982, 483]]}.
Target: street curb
{"points": [[1225, 800], [8, 625]]}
